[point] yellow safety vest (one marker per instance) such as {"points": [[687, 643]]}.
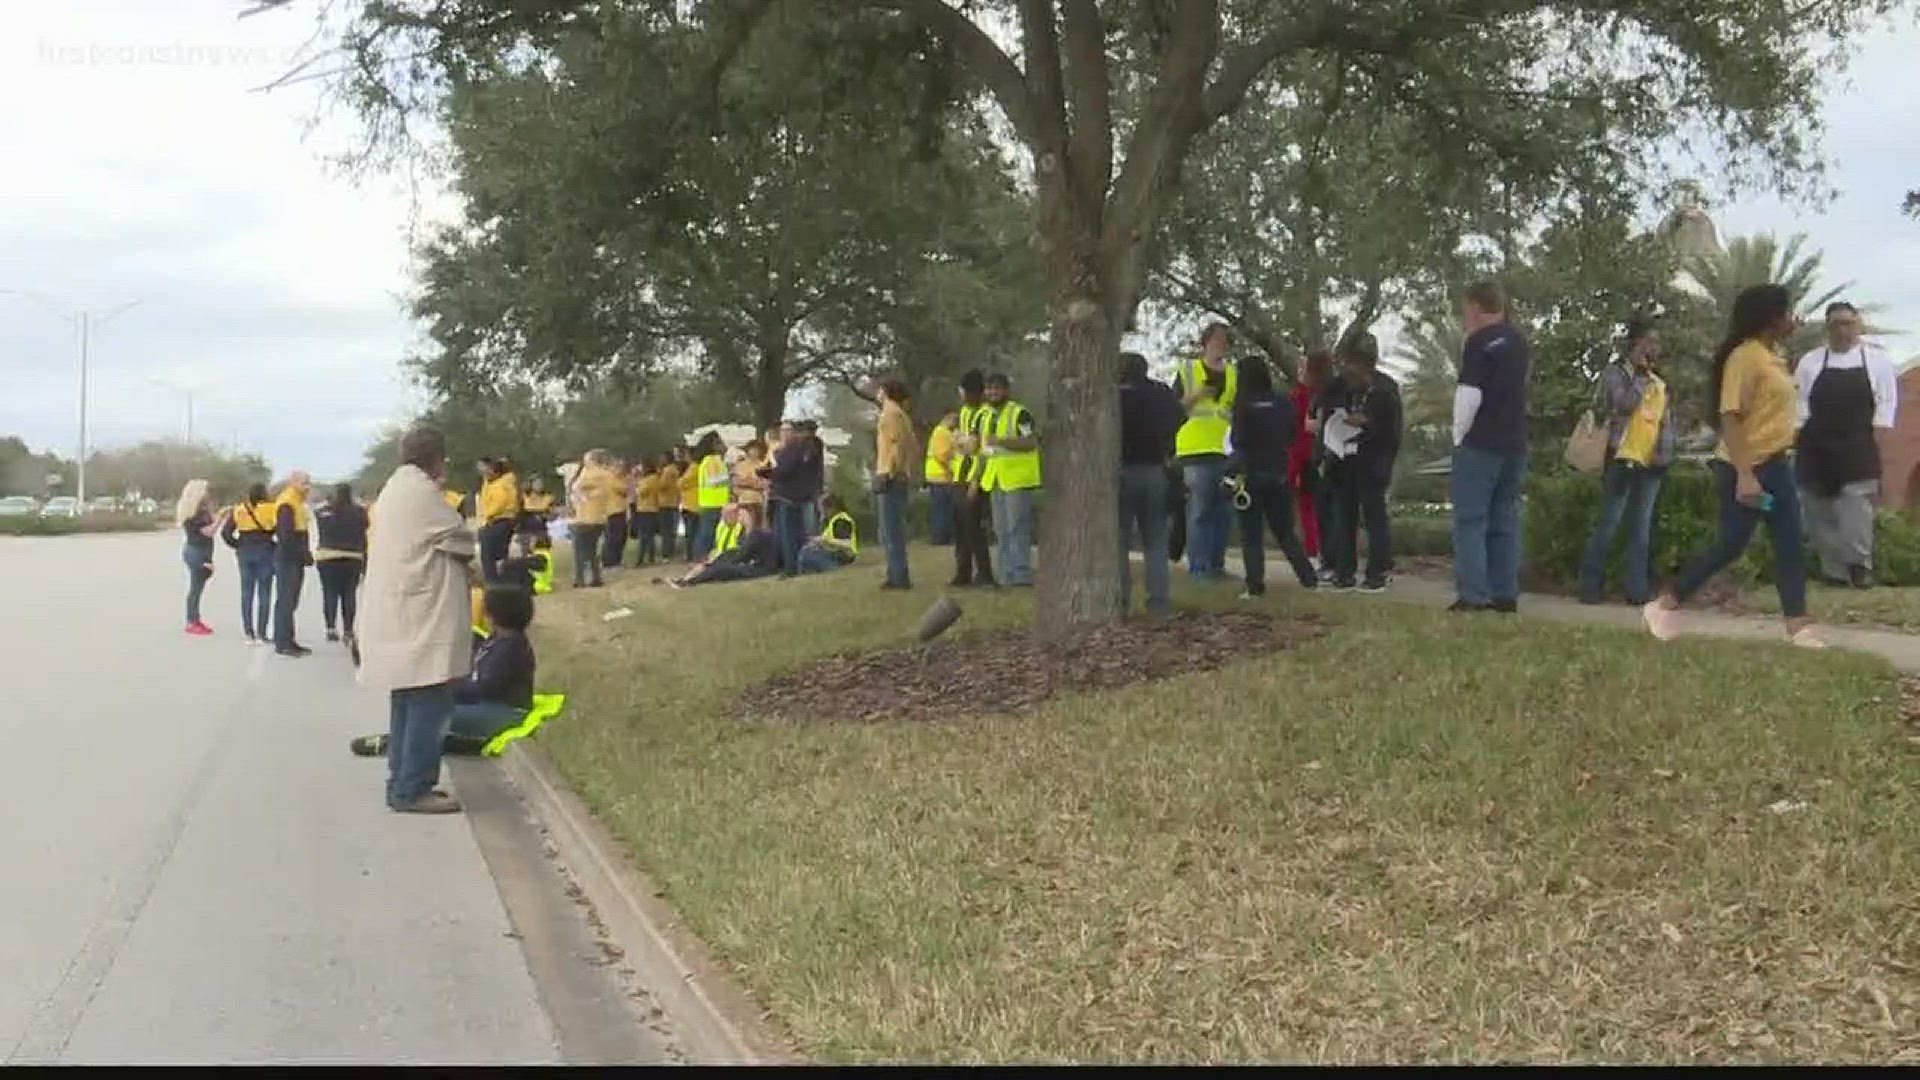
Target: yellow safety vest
{"points": [[543, 573], [853, 531], [727, 537], [937, 471], [481, 627], [1011, 470], [973, 421], [714, 492], [1208, 422]]}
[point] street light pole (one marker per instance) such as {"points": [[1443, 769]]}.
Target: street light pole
{"points": [[85, 320], [183, 389]]}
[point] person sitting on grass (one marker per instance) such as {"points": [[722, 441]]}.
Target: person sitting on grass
{"points": [[838, 543], [498, 692], [743, 549]]}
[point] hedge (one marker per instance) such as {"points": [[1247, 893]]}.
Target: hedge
{"points": [[33, 525]]}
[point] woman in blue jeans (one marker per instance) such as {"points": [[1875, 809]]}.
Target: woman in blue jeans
{"points": [[1640, 442], [1757, 406], [249, 532], [198, 524]]}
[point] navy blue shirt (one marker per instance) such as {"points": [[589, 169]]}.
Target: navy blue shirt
{"points": [[1150, 416], [1496, 361]]}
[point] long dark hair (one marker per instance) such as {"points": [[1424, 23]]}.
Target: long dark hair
{"points": [[1255, 376], [342, 496], [1756, 310], [257, 493]]}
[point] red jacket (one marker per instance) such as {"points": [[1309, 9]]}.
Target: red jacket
{"points": [[1302, 453]]}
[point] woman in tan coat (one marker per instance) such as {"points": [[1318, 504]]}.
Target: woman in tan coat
{"points": [[414, 636]]}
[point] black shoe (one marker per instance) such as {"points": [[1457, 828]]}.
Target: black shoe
{"points": [[894, 585], [1505, 607], [960, 583], [1376, 585], [331, 636], [1859, 577], [1595, 600], [1341, 584], [289, 651], [1463, 606]]}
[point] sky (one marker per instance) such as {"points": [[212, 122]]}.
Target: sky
{"points": [[145, 166]]}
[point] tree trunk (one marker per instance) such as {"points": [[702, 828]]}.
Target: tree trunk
{"points": [[770, 383], [1079, 537]]}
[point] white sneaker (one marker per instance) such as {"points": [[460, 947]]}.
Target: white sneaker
{"points": [[1805, 638], [1248, 596], [1662, 622]]}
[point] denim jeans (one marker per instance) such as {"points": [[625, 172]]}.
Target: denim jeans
{"points": [[1357, 497], [256, 591], [586, 555], [496, 542], [199, 570], [646, 538], [478, 721], [891, 498], [1736, 529], [1143, 514], [1270, 506], [417, 722], [709, 533], [814, 559], [667, 523], [940, 500], [1486, 524], [790, 529], [288, 577], [1628, 495], [1209, 516], [972, 518], [1013, 521], [339, 584], [613, 544], [690, 533]]}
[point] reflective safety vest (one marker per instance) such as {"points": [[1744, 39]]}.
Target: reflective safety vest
{"points": [[937, 471], [727, 537], [1011, 470], [715, 482], [481, 627], [973, 421], [545, 708], [1208, 422], [853, 531], [542, 573]]}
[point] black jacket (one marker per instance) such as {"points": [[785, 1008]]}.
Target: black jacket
{"points": [[291, 545], [1263, 431], [1379, 402], [341, 528], [502, 672], [1150, 416], [797, 473]]}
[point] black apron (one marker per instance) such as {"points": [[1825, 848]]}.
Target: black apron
{"points": [[1837, 445]]}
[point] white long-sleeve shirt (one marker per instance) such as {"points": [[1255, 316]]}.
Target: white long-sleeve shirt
{"points": [[1880, 372]]}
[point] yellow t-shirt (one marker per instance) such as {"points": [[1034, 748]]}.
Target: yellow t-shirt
{"points": [[1642, 436], [646, 494], [1758, 386], [940, 455], [594, 496], [690, 489], [748, 488], [499, 499]]}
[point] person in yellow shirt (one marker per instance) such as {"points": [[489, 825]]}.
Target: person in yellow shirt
{"points": [[646, 512], [536, 508], [497, 508], [1640, 442], [1758, 411], [749, 487], [668, 496], [689, 501], [941, 458], [897, 452], [590, 499], [713, 489]]}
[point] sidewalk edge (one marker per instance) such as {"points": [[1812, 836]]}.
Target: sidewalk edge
{"points": [[712, 1018]]}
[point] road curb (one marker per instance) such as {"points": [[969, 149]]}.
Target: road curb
{"points": [[712, 1019]]}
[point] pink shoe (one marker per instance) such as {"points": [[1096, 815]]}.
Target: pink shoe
{"points": [[1662, 622], [199, 629]]}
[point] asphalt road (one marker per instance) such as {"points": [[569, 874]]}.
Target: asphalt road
{"points": [[194, 870]]}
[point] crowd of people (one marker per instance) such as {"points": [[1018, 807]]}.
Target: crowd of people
{"points": [[435, 609]]}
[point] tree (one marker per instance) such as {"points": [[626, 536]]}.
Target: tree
{"points": [[1761, 260], [1426, 361], [159, 468], [1109, 103]]}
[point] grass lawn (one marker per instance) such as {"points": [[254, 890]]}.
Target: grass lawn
{"points": [[1886, 607], [1416, 838]]}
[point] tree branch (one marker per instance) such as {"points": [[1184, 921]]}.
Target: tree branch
{"points": [[1173, 116], [1090, 86], [987, 60]]}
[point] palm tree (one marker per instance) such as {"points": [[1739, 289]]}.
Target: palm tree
{"points": [[1426, 361], [1761, 260]]}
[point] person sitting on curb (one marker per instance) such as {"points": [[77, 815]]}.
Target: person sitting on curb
{"points": [[497, 695], [742, 550], [838, 543]]}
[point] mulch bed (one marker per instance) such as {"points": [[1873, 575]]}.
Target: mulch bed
{"points": [[1006, 672]]}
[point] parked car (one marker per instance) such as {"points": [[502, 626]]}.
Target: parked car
{"points": [[103, 504], [61, 506], [18, 506]]}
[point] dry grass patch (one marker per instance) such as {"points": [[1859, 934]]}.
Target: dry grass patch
{"points": [[1411, 839]]}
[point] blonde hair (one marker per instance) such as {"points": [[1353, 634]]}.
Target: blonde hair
{"points": [[191, 497]]}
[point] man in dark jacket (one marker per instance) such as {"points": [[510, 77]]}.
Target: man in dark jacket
{"points": [[795, 475], [292, 554], [1150, 415], [1361, 466], [1262, 439]]}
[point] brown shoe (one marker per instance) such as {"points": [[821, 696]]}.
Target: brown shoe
{"points": [[433, 802]]}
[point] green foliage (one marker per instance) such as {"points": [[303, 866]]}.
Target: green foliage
{"points": [[1762, 260], [23, 472], [74, 526]]}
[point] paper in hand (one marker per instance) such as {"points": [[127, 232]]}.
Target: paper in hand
{"points": [[1340, 436]]}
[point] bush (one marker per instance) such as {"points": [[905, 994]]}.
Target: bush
{"points": [[68, 526], [1562, 507], [1422, 534]]}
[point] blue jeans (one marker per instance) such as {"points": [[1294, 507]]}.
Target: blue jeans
{"points": [[1357, 498], [199, 570], [256, 591], [1486, 524], [1013, 523], [708, 535], [646, 532], [940, 514], [482, 720], [1628, 495], [586, 555], [892, 504], [814, 559], [668, 523], [790, 528], [1736, 529], [1143, 513], [416, 724], [1209, 517], [1271, 507]]}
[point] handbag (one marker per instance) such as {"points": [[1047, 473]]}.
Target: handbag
{"points": [[1587, 446]]}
